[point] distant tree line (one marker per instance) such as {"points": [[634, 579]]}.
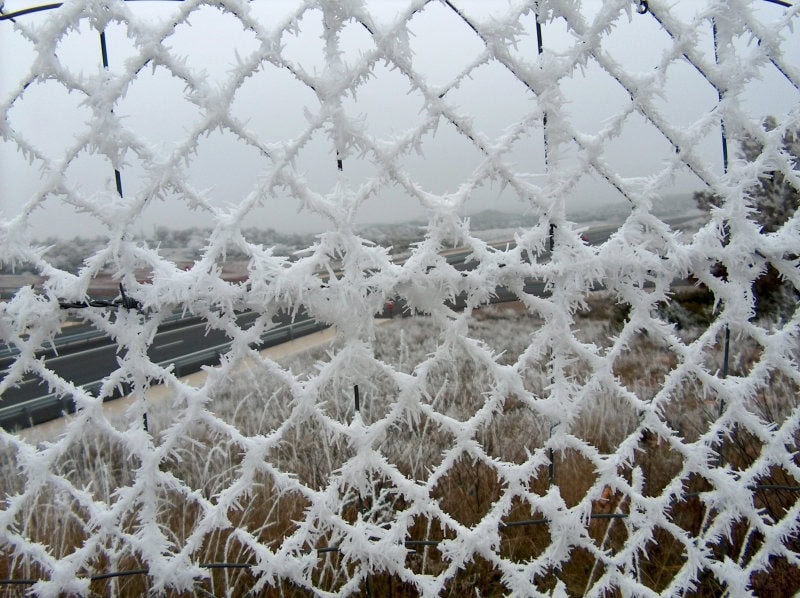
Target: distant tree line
{"points": [[70, 254]]}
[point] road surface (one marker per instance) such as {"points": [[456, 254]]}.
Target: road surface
{"points": [[85, 356]]}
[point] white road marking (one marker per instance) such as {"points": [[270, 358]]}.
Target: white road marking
{"points": [[76, 353], [167, 345]]}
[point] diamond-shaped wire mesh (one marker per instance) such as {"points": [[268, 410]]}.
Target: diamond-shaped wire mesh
{"points": [[628, 423]]}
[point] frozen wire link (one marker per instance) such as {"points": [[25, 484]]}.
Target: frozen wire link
{"points": [[449, 454]]}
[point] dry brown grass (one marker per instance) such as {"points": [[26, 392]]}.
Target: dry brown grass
{"points": [[209, 463]]}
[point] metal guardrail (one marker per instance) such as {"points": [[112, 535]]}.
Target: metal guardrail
{"points": [[67, 340], [54, 405], [94, 336]]}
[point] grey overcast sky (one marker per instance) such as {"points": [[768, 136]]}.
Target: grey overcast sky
{"points": [[274, 104]]}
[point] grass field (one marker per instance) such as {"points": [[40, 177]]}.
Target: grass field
{"points": [[302, 423]]}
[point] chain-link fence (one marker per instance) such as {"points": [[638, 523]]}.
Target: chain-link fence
{"points": [[599, 398]]}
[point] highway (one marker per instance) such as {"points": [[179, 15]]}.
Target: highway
{"points": [[83, 365], [84, 356], [186, 347]]}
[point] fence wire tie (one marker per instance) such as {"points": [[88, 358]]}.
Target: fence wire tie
{"points": [[124, 301]]}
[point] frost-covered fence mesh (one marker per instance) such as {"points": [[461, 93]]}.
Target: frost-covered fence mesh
{"points": [[618, 444]]}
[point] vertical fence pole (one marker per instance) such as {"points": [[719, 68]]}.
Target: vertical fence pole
{"points": [[104, 56], [540, 51], [361, 508], [719, 100], [118, 184], [545, 141], [551, 467], [726, 349]]}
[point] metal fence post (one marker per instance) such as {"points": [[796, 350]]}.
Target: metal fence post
{"points": [[361, 507], [720, 94], [104, 56]]}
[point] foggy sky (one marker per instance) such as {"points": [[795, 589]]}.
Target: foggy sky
{"points": [[274, 105]]}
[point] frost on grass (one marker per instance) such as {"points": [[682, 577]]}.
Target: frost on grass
{"points": [[439, 466]]}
